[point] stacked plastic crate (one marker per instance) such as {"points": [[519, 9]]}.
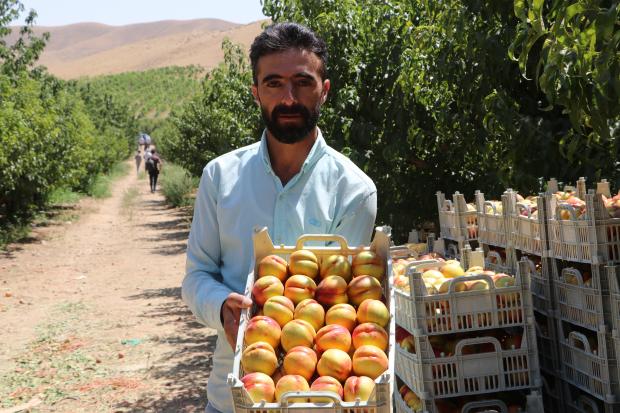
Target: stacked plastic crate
{"points": [[584, 246], [528, 238], [465, 351], [458, 224], [511, 231], [494, 232]]}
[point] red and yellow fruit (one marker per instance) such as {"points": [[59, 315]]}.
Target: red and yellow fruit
{"points": [[280, 309], [265, 288], [402, 282], [336, 265], [477, 285], [368, 263], [411, 399], [300, 360], [303, 262], [408, 344], [342, 314], [262, 328], [333, 336], [312, 312], [335, 363], [297, 333], [259, 357], [299, 288], [373, 311], [273, 265], [503, 280], [369, 361], [452, 269], [370, 334], [332, 290], [260, 387], [358, 387], [292, 382], [326, 383], [363, 288]]}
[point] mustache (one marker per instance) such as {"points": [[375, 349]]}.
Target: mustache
{"points": [[295, 109]]}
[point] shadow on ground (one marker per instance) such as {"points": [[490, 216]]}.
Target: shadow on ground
{"points": [[173, 231], [37, 230], [184, 370]]}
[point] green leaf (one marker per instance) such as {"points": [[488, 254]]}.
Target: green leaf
{"points": [[519, 10]]}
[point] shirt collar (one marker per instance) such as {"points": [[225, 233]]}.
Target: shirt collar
{"points": [[317, 151]]}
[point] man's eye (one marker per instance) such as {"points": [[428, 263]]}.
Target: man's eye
{"points": [[273, 83], [304, 82]]}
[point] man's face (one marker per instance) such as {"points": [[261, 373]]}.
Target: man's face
{"points": [[290, 93]]}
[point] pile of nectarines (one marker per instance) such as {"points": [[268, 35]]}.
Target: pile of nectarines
{"points": [[437, 280], [320, 325]]}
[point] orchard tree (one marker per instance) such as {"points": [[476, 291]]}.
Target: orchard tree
{"points": [[224, 117], [571, 50], [25, 51]]}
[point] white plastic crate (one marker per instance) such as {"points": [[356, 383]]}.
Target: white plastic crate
{"points": [[595, 372], [412, 250], [547, 343], [613, 278], [464, 374], [534, 404], [584, 304], [493, 225], [528, 233], [592, 238], [541, 284], [552, 393], [384, 384], [575, 401], [456, 222], [448, 248], [494, 261], [454, 312]]}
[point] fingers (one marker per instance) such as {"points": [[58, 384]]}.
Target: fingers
{"points": [[231, 313], [235, 300]]}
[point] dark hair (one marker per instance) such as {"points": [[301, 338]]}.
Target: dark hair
{"points": [[280, 37]]}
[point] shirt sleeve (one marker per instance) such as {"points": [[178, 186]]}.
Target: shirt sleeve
{"points": [[357, 225], [202, 289]]}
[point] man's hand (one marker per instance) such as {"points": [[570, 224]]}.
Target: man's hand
{"points": [[231, 312]]}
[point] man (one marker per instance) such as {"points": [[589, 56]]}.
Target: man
{"points": [[153, 167], [290, 182], [138, 159]]}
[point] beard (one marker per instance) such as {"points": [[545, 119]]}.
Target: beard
{"points": [[291, 133]]}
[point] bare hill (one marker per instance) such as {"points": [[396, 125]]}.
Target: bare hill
{"points": [[91, 49]]}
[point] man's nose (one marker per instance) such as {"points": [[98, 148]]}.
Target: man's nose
{"points": [[289, 95]]}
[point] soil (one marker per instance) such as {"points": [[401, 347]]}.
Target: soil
{"points": [[91, 312]]}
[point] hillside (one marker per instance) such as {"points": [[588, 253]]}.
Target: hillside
{"points": [[92, 49], [151, 93]]}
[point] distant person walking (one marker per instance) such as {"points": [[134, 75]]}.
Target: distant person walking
{"points": [[141, 141], [147, 155], [153, 167], [138, 159], [147, 141]]}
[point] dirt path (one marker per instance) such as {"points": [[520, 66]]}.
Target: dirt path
{"points": [[91, 312]]}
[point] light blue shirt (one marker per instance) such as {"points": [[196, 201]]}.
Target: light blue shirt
{"points": [[239, 191]]}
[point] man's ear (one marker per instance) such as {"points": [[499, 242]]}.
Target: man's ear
{"points": [[255, 94], [326, 87]]}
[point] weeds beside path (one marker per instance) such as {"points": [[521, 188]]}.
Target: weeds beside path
{"points": [[92, 315]]}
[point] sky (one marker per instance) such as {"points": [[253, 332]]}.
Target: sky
{"points": [[121, 12]]}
